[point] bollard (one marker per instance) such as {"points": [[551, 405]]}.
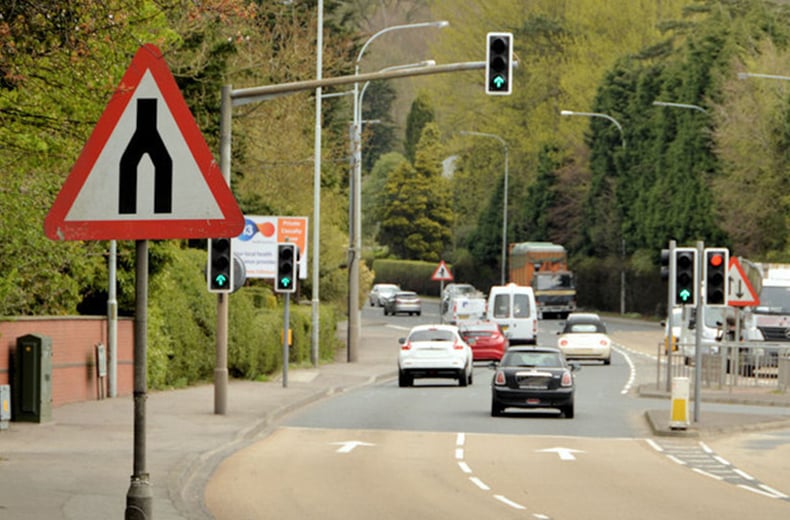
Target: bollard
{"points": [[679, 414]]}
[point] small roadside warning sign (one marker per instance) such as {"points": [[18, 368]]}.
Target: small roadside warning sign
{"points": [[146, 172], [741, 293], [442, 273]]}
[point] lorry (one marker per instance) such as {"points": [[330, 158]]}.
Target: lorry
{"points": [[769, 320], [544, 267]]}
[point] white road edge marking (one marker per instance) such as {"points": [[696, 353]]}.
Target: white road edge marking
{"points": [[769, 494], [459, 454], [479, 483], [711, 475], [460, 439], [464, 467], [509, 502], [653, 444], [632, 376]]}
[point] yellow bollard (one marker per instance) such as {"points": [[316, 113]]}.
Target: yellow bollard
{"points": [[679, 414]]}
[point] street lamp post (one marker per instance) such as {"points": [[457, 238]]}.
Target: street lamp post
{"points": [[622, 140], [746, 75], [355, 227], [504, 199], [678, 105]]}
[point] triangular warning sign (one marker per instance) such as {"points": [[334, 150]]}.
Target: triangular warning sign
{"points": [[442, 273], [146, 172], [741, 293]]}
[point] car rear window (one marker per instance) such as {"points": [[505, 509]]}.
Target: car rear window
{"points": [[532, 359], [432, 335]]}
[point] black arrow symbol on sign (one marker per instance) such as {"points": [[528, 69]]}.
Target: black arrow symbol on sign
{"points": [[146, 140]]}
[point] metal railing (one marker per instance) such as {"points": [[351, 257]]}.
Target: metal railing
{"points": [[728, 365]]}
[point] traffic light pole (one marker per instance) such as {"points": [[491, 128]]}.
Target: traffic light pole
{"points": [[671, 314], [286, 333], [698, 333]]}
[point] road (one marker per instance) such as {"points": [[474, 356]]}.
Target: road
{"points": [[434, 451]]}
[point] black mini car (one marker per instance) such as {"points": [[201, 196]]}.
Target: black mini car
{"points": [[533, 377]]}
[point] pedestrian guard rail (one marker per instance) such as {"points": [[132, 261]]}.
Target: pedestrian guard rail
{"points": [[755, 364]]}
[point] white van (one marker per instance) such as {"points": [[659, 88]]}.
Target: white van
{"points": [[513, 308]]}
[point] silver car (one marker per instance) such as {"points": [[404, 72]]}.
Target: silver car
{"points": [[380, 292], [403, 302]]}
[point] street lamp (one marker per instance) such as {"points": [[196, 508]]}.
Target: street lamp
{"points": [[679, 105], [622, 140], [745, 75], [596, 114], [355, 227], [504, 198]]}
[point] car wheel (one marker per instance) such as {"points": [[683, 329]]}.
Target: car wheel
{"points": [[462, 379], [385, 311], [607, 361], [496, 408], [404, 379], [471, 376], [419, 313], [567, 411]]}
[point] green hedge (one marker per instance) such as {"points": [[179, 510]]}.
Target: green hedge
{"points": [[182, 323], [411, 275]]}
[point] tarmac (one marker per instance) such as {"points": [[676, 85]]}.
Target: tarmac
{"points": [[78, 466]]}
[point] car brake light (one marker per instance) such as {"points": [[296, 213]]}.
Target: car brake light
{"points": [[406, 346], [604, 343], [499, 379], [458, 346], [563, 342], [567, 379]]}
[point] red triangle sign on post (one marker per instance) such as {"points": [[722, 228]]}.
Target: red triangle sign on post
{"points": [[146, 172], [442, 273]]}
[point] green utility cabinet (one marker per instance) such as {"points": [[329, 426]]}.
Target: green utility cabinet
{"points": [[32, 385]]}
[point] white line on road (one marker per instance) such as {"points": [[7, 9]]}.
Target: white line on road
{"points": [[711, 475], [632, 376], [459, 454], [479, 483], [509, 502], [464, 467]]}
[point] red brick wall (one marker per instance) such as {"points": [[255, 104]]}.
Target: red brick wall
{"points": [[74, 340]]}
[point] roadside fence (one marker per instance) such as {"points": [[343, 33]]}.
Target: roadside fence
{"points": [[728, 365]]}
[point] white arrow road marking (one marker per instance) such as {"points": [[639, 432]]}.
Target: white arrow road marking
{"points": [[564, 453], [348, 446]]}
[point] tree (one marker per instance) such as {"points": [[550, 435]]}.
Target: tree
{"points": [[417, 217], [421, 114]]}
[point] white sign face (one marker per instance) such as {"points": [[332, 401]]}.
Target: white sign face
{"points": [[741, 293], [257, 244], [442, 273]]}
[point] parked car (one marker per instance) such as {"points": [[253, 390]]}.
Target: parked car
{"points": [[434, 351], [533, 377], [486, 339], [380, 292], [583, 336], [403, 302]]}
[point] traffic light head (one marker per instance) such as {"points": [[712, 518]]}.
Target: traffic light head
{"points": [[665, 264], [220, 265], [285, 282], [685, 288], [716, 264], [499, 63]]}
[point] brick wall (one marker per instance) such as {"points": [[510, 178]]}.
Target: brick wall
{"points": [[74, 340]]}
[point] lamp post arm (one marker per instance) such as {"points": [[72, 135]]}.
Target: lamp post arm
{"points": [[597, 114], [439, 24]]}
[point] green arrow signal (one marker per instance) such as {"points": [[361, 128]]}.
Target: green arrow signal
{"points": [[498, 81], [285, 281], [685, 294], [220, 279]]}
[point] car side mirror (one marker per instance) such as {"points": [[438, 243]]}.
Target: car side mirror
{"points": [[401, 341], [493, 365], [575, 367]]}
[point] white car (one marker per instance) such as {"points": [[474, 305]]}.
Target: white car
{"points": [[434, 351], [584, 337]]}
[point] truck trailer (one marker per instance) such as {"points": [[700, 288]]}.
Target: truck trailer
{"points": [[544, 267]]}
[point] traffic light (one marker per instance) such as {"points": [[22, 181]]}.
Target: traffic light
{"points": [[685, 264], [220, 266], [665, 264], [499, 63], [286, 268], [717, 260]]}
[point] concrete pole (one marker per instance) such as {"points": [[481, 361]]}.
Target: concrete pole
{"points": [[314, 337]]}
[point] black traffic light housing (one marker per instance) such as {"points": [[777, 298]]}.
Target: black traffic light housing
{"points": [[685, 269], [220, 265], [285, 282], [717, 261], [499, 63], [665, 264]]}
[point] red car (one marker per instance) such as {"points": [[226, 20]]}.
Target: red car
{"points": [[486, 339]]}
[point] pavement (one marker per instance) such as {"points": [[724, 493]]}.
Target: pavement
{"points": [[78, 466]]}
